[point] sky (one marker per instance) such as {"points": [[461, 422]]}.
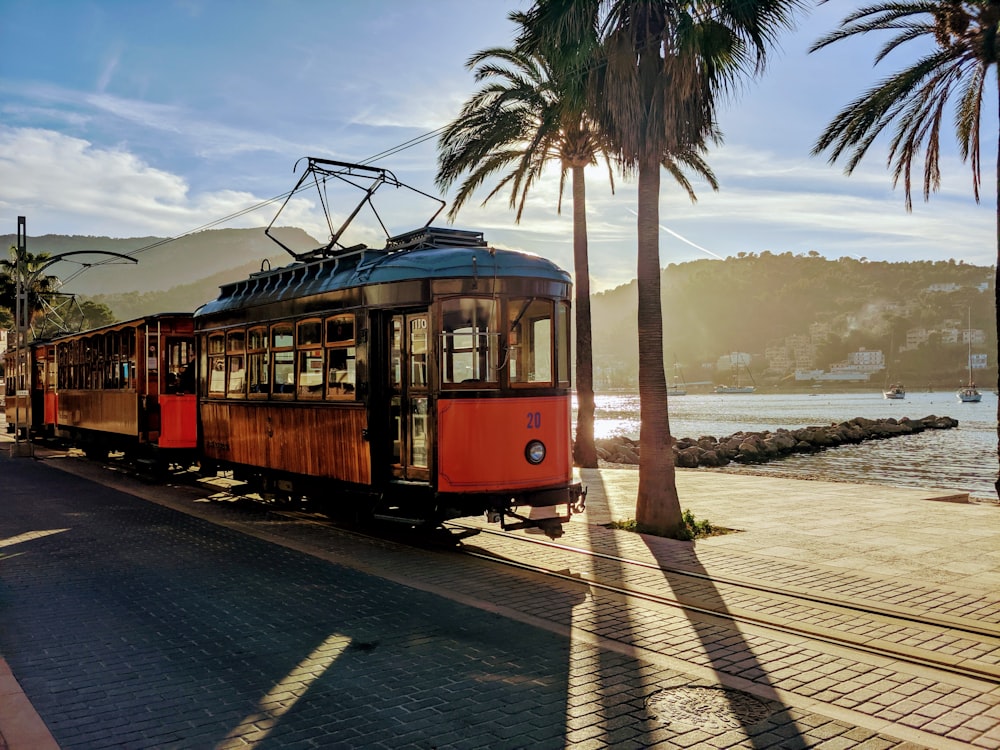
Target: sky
{"points": [[137, 118]]}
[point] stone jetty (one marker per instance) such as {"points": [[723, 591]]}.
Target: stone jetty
{"points": [[761, 447]]}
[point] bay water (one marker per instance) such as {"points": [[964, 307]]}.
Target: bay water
{"points": [[963, 459]]}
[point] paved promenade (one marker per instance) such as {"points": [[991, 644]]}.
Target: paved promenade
{"points": [[128, 624]]}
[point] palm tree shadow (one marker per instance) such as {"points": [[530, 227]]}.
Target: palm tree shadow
{"points": [[742, 698]]}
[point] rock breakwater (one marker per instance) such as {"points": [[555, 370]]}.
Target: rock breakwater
{"points": [[761, 447]]}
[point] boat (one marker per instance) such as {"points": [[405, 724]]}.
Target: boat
{"points": [[678, 387], [894, 391], [969, 394], [735, 387]]}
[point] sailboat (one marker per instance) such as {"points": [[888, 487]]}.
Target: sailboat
{"points": [[677, 387], [969, 394], [735, 387]]}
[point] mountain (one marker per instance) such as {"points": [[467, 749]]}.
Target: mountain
{"points": [[164, 263], [757, 304]]}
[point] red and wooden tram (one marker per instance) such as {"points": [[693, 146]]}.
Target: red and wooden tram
{"points": [[426, 380], [126, 387]]}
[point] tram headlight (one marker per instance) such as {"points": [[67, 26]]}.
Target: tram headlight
{"points": [[535, 452]]}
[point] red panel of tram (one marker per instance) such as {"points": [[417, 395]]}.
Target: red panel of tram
{"points": [[482, 443], [51, 407], [178, 421]]}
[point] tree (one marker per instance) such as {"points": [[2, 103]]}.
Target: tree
{"points": [[964, 46], [95, 315], [665, 65], [530, 112]]}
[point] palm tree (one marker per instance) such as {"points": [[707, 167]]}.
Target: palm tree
{"points": [[963, 34], [666, 63], [530, 112], [41, 285]]}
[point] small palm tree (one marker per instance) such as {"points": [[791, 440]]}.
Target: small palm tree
{"points": [[41, 285], [527, 114], [915, 99]]}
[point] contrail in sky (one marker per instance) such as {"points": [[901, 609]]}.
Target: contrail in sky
{"points": [[684, 239]]}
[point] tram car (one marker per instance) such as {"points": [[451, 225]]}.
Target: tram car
{"points": [[127, 387], [24, 400], [426, 380]]}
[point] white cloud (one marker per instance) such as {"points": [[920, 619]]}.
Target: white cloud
{"points": [[69, 186]]}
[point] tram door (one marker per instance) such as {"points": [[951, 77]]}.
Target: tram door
{"points": [[409, 396]]}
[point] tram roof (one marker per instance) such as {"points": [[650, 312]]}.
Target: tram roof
{"points": [[429, 253]]}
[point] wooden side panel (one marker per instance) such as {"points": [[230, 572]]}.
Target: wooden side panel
{"points": [[104, 411], [18, 409], [315, 440]]}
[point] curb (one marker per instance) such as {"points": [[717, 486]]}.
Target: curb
{"points": [[22, 728]]}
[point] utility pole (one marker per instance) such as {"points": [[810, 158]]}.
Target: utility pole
{"points": [[22, 367]]}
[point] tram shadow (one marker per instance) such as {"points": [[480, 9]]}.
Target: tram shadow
{"points": [[727, 694]]}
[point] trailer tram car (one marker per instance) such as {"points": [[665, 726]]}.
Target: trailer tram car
{"points": [[26, 403], [423, 381], [127, 387]]}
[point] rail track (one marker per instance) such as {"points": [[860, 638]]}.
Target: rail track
{"points": [[951, 645]]}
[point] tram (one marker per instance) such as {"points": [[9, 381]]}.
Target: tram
{"points": [[429, 379], [117, 388]]}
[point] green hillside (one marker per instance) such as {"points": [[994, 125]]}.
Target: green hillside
{"points": [[753, 302]]}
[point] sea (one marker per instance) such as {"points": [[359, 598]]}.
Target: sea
{"points": [[963, 459]]}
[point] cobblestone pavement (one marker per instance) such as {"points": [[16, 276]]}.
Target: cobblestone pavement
{"points": [[131, 625]]}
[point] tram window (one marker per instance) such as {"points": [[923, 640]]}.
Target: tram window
{"points": [[418, 352], [529, 341], [396, 353], [283, 359], [340, 330], [563, 343], [257, 361], [310, 379], [341, 373], [180, 366], [281, 336], [129, 354], [256, 339], [284, 372], [217, 365], [340, 357], [309, 333], [236, 363], [469, 341]]}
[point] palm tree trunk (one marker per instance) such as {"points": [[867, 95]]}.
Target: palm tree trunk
{"points": [[657, 505], [996, 293], [584, 451]]}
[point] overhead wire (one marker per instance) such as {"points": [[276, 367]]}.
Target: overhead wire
{"points": [[415, 141]]}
